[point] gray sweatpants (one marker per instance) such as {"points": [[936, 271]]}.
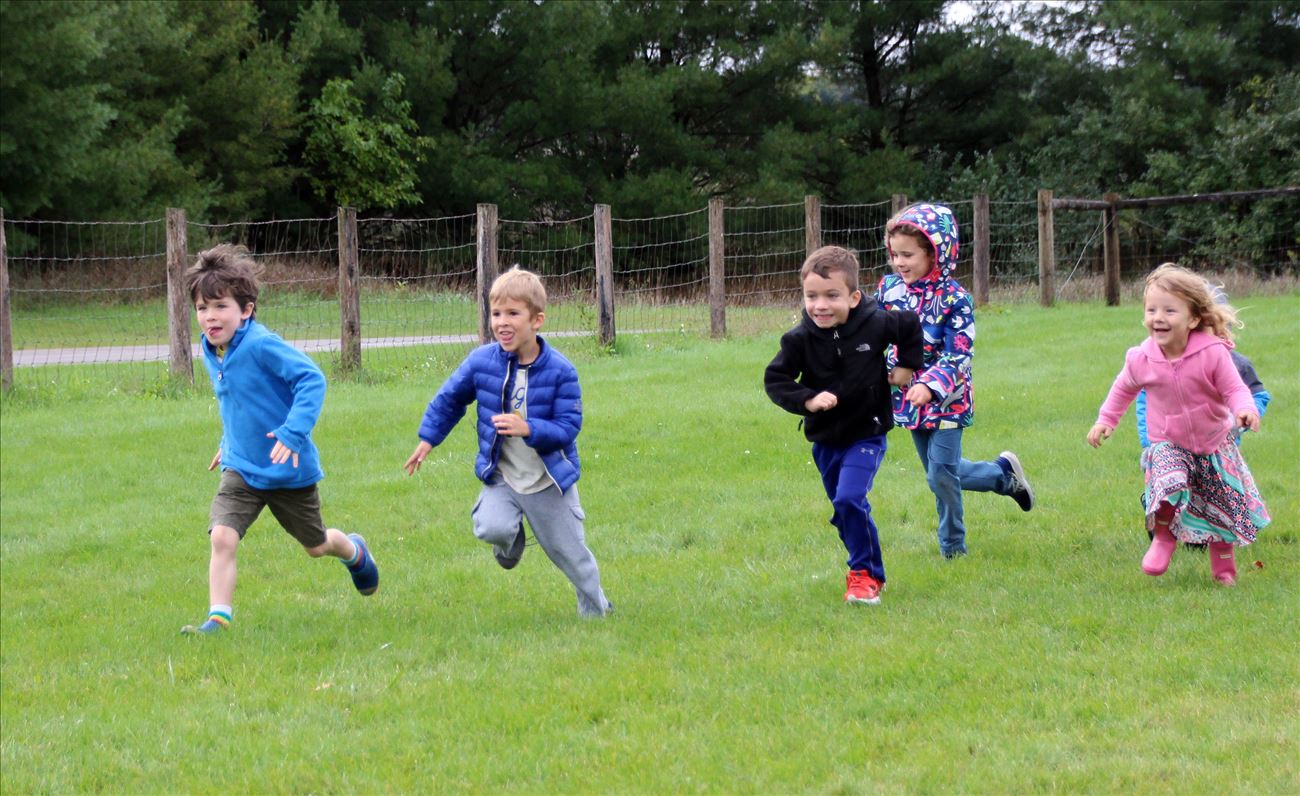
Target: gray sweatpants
{"points": [[556, 519]]}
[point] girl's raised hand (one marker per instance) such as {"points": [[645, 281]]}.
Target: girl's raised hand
{"points": [[1098, 433]]}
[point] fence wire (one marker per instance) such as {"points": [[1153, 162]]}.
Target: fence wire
{"points": [[90, 297]]}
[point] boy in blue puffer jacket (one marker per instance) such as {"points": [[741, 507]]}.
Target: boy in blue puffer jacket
{"points": [[529, 416], [270, 395]]}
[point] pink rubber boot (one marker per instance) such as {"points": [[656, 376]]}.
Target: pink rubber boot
{"points": [[1223, 563], [1163, 543]]}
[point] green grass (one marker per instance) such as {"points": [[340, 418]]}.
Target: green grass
{"points": [[1045, 661]]}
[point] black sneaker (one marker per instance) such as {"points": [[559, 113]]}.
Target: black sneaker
{"points": [[511, 557], [1018, 486]]}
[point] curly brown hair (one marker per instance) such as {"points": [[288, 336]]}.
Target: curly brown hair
{"points": [[226, 269]]}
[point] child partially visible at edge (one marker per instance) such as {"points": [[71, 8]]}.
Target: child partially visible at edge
{"points": [[270, 396], [922, 241], [1198, 487], [529, 409], [831, 372]]}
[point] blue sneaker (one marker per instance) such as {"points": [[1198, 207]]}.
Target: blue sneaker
{"points": [[365, 573], [211, 626]]}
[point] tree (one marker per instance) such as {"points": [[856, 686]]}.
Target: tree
{"points": [[364, 160]]}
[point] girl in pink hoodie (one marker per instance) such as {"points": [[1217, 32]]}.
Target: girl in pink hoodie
{"points": [[1198, 488]]}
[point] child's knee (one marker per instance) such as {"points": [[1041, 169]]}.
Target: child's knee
{"points": [[495, 531], [941, 477], [223, 538]]}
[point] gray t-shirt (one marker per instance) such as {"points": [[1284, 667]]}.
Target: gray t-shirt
{"points": [[521, 466]]}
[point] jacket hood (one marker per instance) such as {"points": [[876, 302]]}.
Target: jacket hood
{"points": [[938, 224]]}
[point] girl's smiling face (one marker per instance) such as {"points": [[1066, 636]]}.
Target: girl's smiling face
{"points": [[911, 260], [1169, 319]]}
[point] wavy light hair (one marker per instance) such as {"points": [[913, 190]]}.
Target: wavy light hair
{"points": [[1216, 317]]}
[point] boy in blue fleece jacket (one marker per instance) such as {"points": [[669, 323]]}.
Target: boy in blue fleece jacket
{"points": [[529, 416], [270, 396]]}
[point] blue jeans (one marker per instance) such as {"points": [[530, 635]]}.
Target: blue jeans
{"points": [[948, 474], [847, 474]]}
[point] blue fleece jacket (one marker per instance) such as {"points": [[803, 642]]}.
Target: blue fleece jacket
{"points": [[264, 384], [554, 408]]}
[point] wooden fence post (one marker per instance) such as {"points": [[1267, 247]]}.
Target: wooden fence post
{"points": [[349, 291], [812, 224], [1046, 250], [486, 267], [717, 270], [180, 352], [981, 249], [6, 322], [1110, 248], [897, 202], [604, 274]]}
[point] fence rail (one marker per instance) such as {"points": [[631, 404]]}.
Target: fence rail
{"points": [[71, 292]]}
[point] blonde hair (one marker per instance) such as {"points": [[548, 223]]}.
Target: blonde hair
{"points": [[832, 259], [519, 285], [1217, 318]]}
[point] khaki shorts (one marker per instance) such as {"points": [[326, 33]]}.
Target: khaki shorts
{"points": [[298, 510]]}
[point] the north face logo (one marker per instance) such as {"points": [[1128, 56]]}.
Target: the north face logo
{"points": [[864, 347]]}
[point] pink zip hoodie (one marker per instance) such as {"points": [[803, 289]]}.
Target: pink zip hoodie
{"points": [[1192, 401]]}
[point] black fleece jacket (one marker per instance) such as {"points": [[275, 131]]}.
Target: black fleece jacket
{"points": [[847, 361]]}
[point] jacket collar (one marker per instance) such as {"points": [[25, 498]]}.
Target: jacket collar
{"points": [[1197, 341]]}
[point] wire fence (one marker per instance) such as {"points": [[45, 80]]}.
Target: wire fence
{"points": [[94, 294]]}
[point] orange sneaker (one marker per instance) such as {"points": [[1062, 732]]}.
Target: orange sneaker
{"points": [[861, 588]]}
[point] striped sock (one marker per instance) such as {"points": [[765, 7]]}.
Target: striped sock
{"points": [[219, 618], [357, 555]]}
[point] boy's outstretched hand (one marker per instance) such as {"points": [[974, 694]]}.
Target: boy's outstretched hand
{"points": [[281, 452], [216, 461], [417, 458], [1098, 433], [821, 402]]}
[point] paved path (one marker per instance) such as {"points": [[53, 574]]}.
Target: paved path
{"points": [[101, 355]]}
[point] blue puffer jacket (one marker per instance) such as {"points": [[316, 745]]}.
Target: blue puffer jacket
{"points": [[554, 408]]}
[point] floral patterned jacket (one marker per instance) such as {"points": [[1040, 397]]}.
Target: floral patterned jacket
{"points": [[947, 323]]}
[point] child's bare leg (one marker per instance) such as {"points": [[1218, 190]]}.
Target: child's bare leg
{"points": [[221, 567], [337, 544], [221, 581], [351, 549]]}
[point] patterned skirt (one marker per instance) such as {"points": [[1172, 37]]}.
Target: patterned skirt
{"points": [[1213, 495]]}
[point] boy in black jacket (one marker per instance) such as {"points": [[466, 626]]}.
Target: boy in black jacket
{"points": [[831, 371]]}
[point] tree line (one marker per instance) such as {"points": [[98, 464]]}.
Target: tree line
{"points": [[258, 109]]}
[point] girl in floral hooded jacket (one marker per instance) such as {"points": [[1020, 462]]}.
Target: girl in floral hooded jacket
{"points": [[922, 242]]}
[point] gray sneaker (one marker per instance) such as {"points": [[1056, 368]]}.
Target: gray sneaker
{"points": [[1018, 487], [510, 558]]}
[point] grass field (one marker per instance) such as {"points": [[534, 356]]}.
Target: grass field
{"points": [[1044, 661]]}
